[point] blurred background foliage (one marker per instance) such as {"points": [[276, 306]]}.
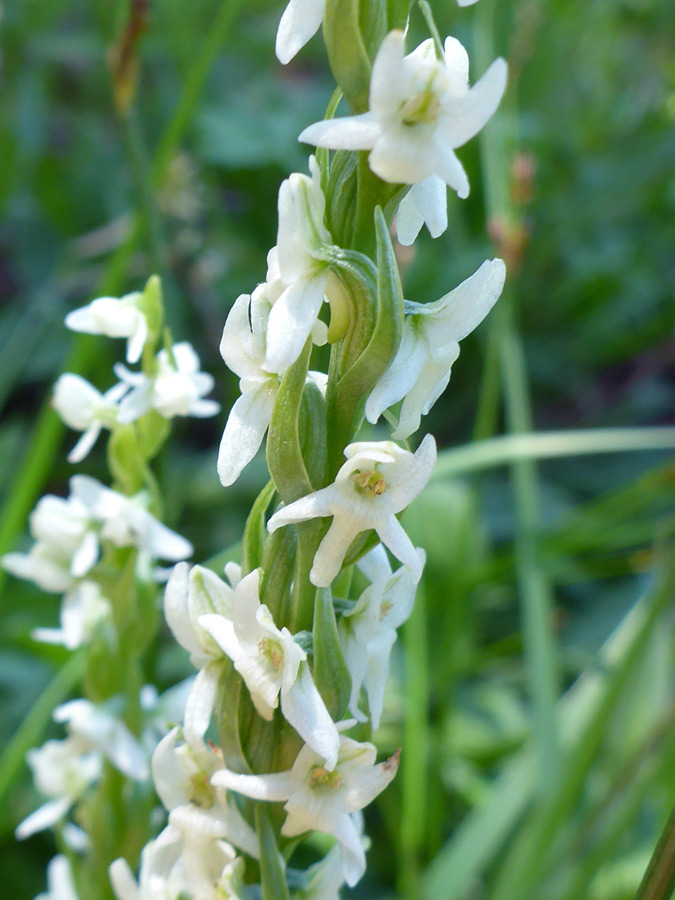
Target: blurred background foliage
{"points": [[500, 796]]}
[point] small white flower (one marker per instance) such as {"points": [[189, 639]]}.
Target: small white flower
{"points": [[60, 883], [85, 409], [421, 110], [126, 521], [96, 727], [165, 871], [274, 668], [299, 277], [192, 593], [63, 771], [177, 389], [200, 811], [323, 800], [83, 608], [378, 480], [114, 317], [368, 631], [66, 545], [420, 371], [161, 876], [243, 347]]}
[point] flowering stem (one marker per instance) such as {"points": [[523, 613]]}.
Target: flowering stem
{"points": [[48, 428]]}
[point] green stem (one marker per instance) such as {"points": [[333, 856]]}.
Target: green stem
{"points": [[659, 879]]}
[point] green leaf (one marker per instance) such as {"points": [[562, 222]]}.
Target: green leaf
{"points": [[331, 675], [284, 452], [272, 864], [255, 533]]}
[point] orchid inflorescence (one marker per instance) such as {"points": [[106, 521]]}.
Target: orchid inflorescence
{"points": [[292, 643]]}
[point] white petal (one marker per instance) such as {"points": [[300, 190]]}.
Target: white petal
{"points": [[222, 632], [401, 375], [44, 817], [304, 708], [388, 81], [169, 772], [369, 781], [176, 609], [85, 556], [300, 22], [312, 506], [456, 57], [200, 704], [379, 650], [291, 320], [274, 787], [463, 116], [409, 219], [465, 307], [137, 340], [349, 133], [85, 443], [332, 550], [353, 854], [122, 880], [403, 157], [245, 429], [431, 199], [394, 537], [450, 169]]}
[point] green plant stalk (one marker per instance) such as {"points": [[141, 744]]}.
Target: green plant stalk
{"points": [[485, 830], [526, 861], [537, 602], [659, 880], [48, 429], [512, 448], [416, 740]]}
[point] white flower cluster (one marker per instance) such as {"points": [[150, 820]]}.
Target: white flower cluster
{"points": [[66, 770], [171, 383], [71, 534]]}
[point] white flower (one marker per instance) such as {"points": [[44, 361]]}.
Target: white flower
{"points": [[421, 110], [97, 727], [126, 521], [66, 544], [378, 480], [420, 371], [323, 800], [114, 317], [83, 608], [274, 668], [163, 874], [60, 883], [200, 811], [177, 389], [368, 631], [192, 593], [63, 771], [85, 409], [299, 273], [243, 347]]}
